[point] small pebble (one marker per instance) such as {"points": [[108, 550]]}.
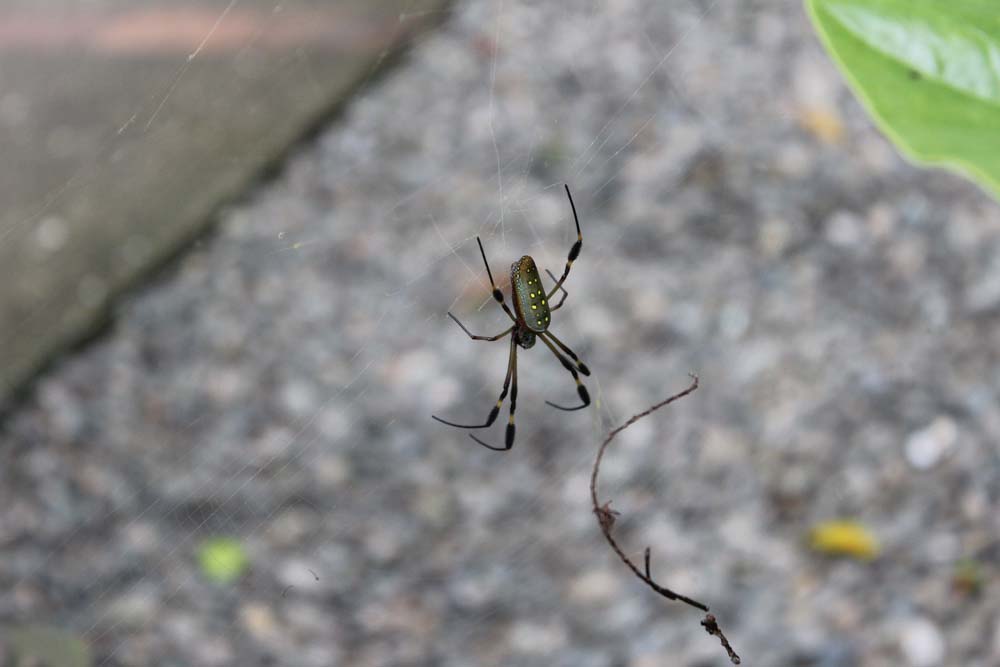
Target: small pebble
{"points": [[259, 621], [537, 636], [844, 229], [926, 447], [595, 586], [922, 643]]}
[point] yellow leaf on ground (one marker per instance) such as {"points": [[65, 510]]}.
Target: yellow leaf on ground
{"points": [[823, 123], [844, 538]]}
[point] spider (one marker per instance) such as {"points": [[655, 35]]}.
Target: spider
{"points": [[531, 318]]}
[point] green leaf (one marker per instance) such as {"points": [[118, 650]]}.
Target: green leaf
{"points": [[928, 71], [222, 559]]}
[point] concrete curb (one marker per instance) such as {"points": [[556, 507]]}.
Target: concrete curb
{"points": [[123, 129]]}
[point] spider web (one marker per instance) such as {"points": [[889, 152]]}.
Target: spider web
{"points": [[276, 385], [343, 269]]}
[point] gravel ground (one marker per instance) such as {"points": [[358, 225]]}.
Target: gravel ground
{"points": [[742, 219]]}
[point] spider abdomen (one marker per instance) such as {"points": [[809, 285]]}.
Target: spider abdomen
{"points": [[530, 303]]}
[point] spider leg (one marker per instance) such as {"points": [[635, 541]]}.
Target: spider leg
{"points": [[509, 438], [561, 288], [580, 366], [511, 360], [580, 389], [497, 294], [574, 252], [475, 337]]}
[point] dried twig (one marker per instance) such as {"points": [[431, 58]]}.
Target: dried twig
{"points": [[606, 520]]}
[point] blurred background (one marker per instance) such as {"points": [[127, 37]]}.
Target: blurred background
{"points": [[230, 235]]}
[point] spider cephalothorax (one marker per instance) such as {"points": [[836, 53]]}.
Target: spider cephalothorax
{"points": [[531, 316], [525, 338]]}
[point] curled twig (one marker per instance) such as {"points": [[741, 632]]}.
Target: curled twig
{"points": [[606, 520], [712, 628]]}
